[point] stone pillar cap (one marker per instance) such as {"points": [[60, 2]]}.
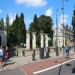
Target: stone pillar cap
{"points": [[34, 32], [27, 31]]}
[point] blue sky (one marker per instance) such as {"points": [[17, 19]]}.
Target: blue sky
{"points": [[39, 7]]}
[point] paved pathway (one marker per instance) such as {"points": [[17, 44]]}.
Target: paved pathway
{"points": [[44, 64], [67, 68]]}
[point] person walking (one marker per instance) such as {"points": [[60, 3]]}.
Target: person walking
{"points": [[1, 58], [67, 49]]}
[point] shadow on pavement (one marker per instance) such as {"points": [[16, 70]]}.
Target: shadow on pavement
{"points": [[60, 68], [59, 72], [68, 64], [73, 70], [9, 62]]}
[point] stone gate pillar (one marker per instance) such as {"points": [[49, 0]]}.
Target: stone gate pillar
{"points": [[46, 40], [27, 41], [42, 40], [34, 40]]}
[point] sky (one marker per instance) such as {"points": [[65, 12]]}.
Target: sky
{"points": [[38, 7]]}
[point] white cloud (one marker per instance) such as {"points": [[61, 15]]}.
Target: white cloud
{"points": [[49, 12], [33, 3], [11, 17], [1, 11], [61, 19]]}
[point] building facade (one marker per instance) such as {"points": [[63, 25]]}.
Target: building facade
{"points": [[68, 35], [62, 36]]}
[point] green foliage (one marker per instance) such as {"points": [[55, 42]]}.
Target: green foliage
{"points": [[34, 25], [34, 28], [11, 37], [17, 32], [9, 33], [44, 24], [7, 21], [2, 24]]}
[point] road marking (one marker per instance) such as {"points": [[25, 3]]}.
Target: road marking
{"points": [[23, 71], [52, 67], [12, 68]]}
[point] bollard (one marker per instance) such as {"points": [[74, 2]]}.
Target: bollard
{"points": [[41, 53], [48, 53], [33, 55], [23, 52], [17, 53]]}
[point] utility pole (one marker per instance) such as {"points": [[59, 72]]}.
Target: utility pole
{"points": [[63, 23], [73, 34], [57, 52]]}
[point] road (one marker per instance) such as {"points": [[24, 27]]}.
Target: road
{"points": [[66, 69], [16, 71]]}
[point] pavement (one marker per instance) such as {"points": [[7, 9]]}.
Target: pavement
{"points": [[15, 71], [21, 60], [29, 67], [66, 68], [34, 68]]}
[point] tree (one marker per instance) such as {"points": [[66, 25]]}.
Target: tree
{"points": [[21, 29], [23, 26], [7, 21], [73, 25], [1, 23], [11, 39], [34, 28], [34, 25], [44, 24], [8, 30], [12, 31], [18, 30]]}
